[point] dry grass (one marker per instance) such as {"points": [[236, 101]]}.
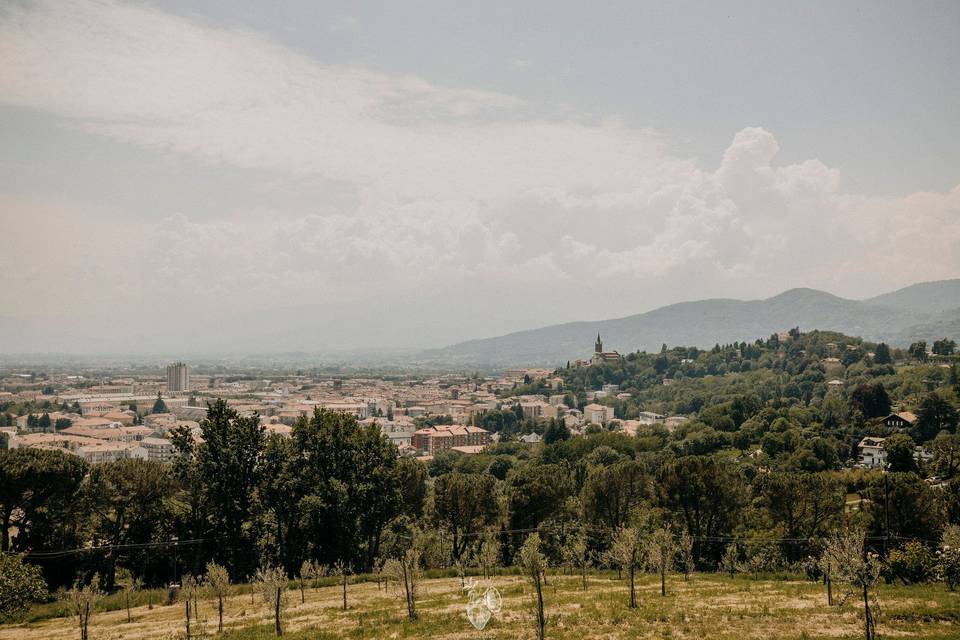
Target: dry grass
{"points": [[708, 606]]}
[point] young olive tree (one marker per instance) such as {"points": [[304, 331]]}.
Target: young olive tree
{"points": [[273, 586], [577, 555], [130, 586], [218, 580], [489, 554], [627, 552], [312, 572], [533, 563], [685, 546], [825, 564], [306, 570], [730, 562], [859, 570], [405, 573], [83, 598], [190, 588], [341, 569], [661, 549]]}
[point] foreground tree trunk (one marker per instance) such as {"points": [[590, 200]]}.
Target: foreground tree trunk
{"points": [[276, 613], [541, 619]]}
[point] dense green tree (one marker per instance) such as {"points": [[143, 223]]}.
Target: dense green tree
{"points": [[36, 486], [936, 414], [944, 347], [801, 505], [128, 501], [871, 400], [946, 454], [536, 492], [706, 493], [881, 355], [279, 505], [556, 431], [464, 504], [500, 466], [899, 449], [612, 494], [226, 472], [351, 485], [412, 481], [918, 350], [903, 505], [159, 406]]}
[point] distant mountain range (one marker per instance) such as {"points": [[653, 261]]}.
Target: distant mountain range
{"points": [[925, 311]]}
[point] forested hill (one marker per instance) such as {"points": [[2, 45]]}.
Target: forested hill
{"points": [[926, 311]]}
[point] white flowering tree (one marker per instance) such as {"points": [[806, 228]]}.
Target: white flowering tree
{"points": [[858, 570]]}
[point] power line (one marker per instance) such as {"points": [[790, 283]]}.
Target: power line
{"points": [[111, 547]]}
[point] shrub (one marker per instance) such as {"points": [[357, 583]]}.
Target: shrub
{"points": [[913, 563], [949, 563], [20, 584]]}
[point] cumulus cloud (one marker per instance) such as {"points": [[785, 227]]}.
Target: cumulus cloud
{"points": [[452, 187]]}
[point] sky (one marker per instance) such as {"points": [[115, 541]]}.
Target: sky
{"points": [[189, 176]]}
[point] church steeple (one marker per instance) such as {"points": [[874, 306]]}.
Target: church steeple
{"points": [[598, 348]]}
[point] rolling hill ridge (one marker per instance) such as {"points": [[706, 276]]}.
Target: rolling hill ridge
{"points": [[924, 311]]}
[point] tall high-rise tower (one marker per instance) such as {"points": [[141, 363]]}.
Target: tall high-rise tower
{"points": [[178, 377]]}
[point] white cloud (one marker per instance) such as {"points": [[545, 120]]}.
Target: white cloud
{"points": [[454, 188]]}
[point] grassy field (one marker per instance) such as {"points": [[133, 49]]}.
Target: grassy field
{"points": [[708, 606]]}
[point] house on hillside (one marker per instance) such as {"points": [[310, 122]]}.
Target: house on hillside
{"points": [[872, 454], [902, 420], [597, 414], [531, 438]]}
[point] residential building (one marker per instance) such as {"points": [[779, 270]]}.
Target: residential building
{"points": [[178, 377], [872, 454], [597, 413], [159, 449], [901, 420], [441, 437]]}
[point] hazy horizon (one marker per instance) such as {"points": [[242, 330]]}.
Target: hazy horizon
{"points": [[178, 173]]}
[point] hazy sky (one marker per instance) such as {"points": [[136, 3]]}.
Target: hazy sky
{"points": [[428, 172]]}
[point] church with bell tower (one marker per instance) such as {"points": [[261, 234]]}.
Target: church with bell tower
{"points": [[600, 356]]}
